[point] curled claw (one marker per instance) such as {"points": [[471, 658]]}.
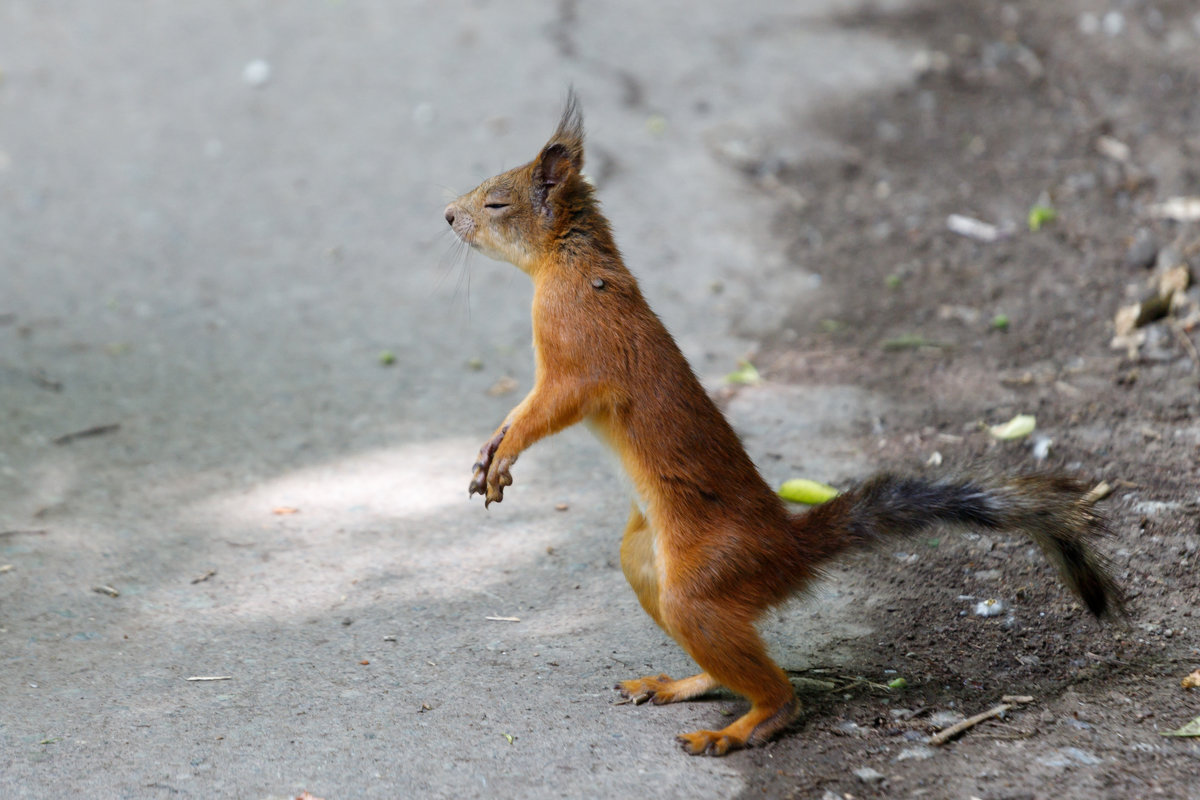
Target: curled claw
{"points": [[497, 478], [480, 469], [478, 483]]}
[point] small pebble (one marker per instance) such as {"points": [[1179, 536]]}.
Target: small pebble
{"points": [[989, 608], [920, 753], [869, 776]]}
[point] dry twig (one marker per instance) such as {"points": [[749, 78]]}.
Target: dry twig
{"points": [[1009, 701], [87, 433]]}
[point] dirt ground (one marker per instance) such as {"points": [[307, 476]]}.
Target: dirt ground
{"points": [[1009, 115]]}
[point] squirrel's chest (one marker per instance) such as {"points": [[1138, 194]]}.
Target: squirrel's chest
{"points": [[600, 429]]}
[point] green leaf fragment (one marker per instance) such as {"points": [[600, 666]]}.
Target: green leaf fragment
{"points": [[832, 325], [897, 683], [810, 493], [1016, 428], [1041, 215], [909, 341], [746, 373], [387, 358], [509, 737], [1191, 729], [1000, 322]]}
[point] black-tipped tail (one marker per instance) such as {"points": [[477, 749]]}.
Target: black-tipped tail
{"points": [[1054, 511]]}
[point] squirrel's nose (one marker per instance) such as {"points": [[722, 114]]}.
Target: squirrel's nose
{"points": [[450, 212]]}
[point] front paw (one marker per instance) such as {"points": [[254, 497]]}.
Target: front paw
{"points": [[482, 465]]}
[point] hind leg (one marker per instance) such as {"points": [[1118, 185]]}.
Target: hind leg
{"points": [[640, 565], [733, 655]]}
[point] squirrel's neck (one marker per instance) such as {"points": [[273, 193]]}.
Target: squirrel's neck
{"points": [[583, 243]]}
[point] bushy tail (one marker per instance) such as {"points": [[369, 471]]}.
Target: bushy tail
{"points": [[1052, 510]]}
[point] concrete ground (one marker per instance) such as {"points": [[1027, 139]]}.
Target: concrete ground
{"points": [[203, 260]]}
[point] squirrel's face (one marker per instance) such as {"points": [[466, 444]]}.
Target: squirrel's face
{"points": [[497, 218]]}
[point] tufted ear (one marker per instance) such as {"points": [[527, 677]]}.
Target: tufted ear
{"points": [[562, 157]]}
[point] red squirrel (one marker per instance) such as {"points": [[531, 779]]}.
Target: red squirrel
{"points": [[708, 547]]}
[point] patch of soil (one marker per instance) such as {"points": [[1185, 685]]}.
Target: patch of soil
{"points": [[1020, 105]]}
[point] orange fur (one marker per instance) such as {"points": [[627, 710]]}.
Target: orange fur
{"points": [[708, 546]]}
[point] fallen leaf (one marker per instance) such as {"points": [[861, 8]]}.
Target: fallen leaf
{"points": [[746, 373], [1115, 149], [972, 228], [503, 386], [1192, 681], [1180, 209], [1018, 427], [1176, 279], [810, 493], [1191, 729], [1040, 216]]}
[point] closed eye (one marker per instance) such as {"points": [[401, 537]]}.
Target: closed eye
{"points": [[496, 205]]}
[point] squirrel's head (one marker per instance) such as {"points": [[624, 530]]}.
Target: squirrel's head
{"points": [[519, 215]]}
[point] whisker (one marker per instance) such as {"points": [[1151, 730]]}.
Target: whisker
{"points": [[448, 194]]}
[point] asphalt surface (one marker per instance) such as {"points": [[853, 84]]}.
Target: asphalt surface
{"points": [[216, 221]]}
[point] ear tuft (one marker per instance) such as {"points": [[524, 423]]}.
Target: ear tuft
{"points": [[570, 127], [562, 156], [569, 134]]}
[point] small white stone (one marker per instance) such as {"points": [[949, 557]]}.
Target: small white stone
{"points": [[919, 752], [257, 72], [869, 776], [989, 608]]}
